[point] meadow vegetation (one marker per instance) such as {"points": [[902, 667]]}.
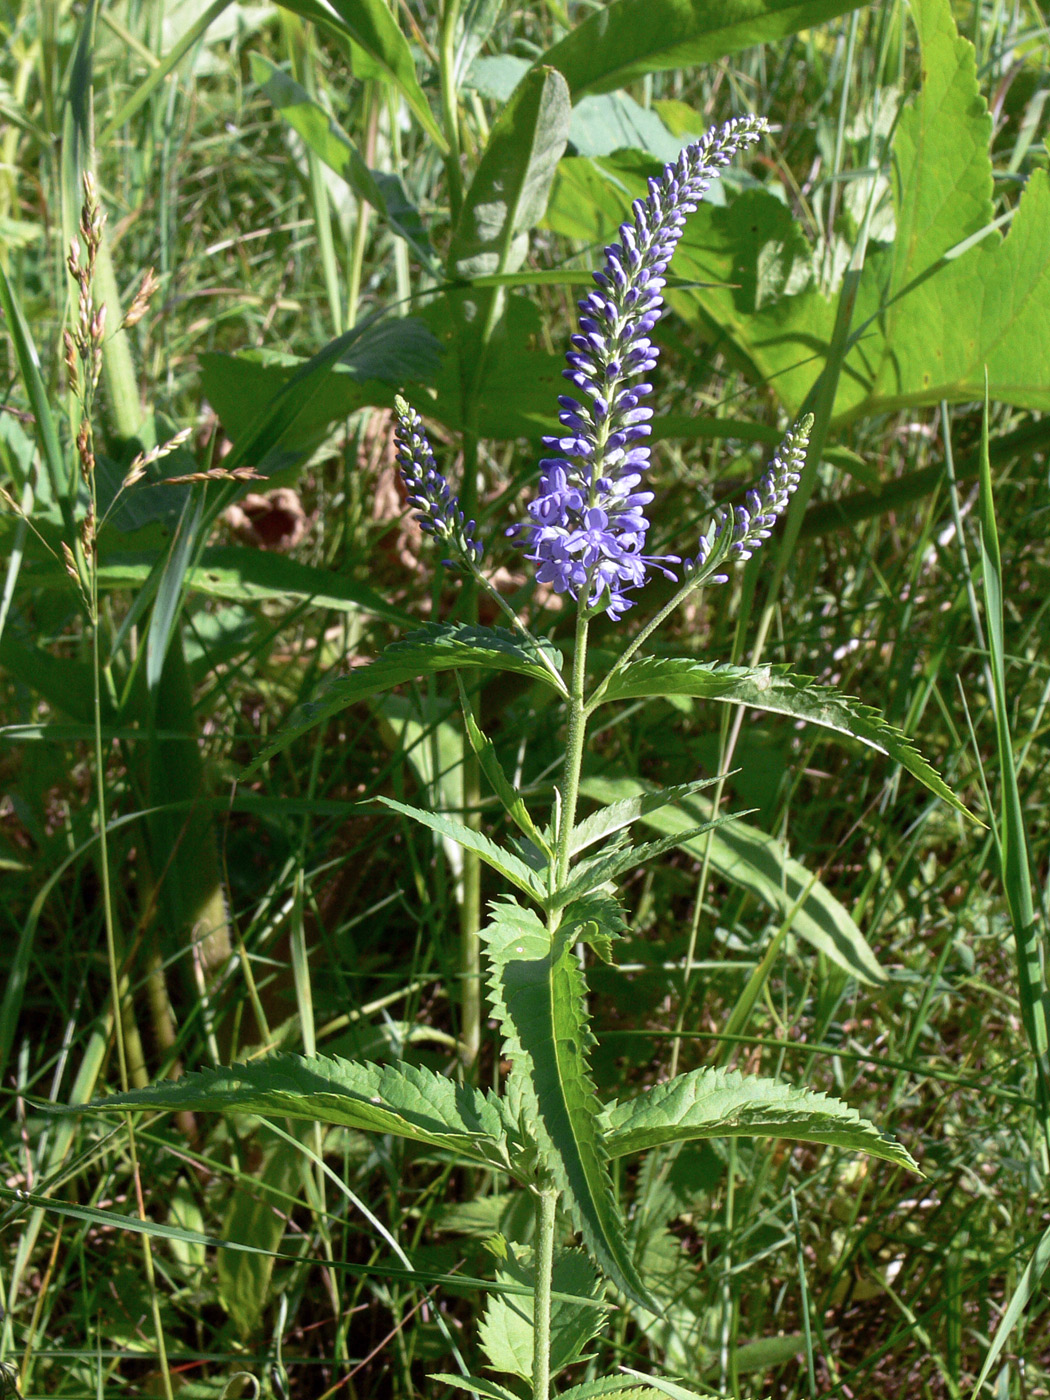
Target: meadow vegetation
{"points": [[293, 214]]}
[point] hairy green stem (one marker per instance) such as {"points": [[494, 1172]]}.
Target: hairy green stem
{"points": [[570, 782], [546, 1209]]}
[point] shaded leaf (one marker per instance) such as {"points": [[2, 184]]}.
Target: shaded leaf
{"points": [[708, 1103]]}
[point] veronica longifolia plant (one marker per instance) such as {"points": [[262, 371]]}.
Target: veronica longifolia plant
{"points": [[585, 533]]}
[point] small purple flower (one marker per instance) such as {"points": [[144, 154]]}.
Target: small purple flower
{"points": [[437, 508], [751, 524], [588, 526]]}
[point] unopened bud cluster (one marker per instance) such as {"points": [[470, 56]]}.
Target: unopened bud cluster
{"points": [[752, 523], [437, 509]]}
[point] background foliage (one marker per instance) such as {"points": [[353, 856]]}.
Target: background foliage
{"points": [[305, 183]]}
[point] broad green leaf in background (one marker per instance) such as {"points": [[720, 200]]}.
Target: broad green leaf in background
{"points": [[365, 367], [435, 647], [928, 318], [506, 199], [330, 143], [622, 41], [758, 863], [405, 1100], [257, 1216], [931, 311], [243, 574], [508, 194], [707, 1103], [538, 996], [778, 691]]}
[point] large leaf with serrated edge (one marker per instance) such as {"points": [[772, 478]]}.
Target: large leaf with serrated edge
{"points": [[407, 1101], [435, 647], [758, 863], [537, 993], [710, 1103], [777, 690]]}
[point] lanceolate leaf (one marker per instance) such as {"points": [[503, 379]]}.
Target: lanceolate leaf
{"points": [[623, 810], [759, 863], [623, 41], [371, 25], [509, 865], [709, 1103], [589, 874], [510, 799], [778, 691], [506, 199], [405, 1100], [538, 997], [435, 647]]}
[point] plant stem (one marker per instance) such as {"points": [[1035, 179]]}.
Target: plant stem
{"points": [[570, 783], [450, 105], [546, 1208]]}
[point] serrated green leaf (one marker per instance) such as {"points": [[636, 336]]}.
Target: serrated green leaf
{"points": [[708, 1103], [538, 997], [610, 1388], [663, 1385], [405, 1100], [623, 41], [759, 863], [778, 690], [623, 811], [506, 1330], [435, 647], [512, 867]]}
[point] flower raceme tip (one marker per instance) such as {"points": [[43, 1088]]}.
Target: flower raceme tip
{"points": [[437, 509], [587, 528]]}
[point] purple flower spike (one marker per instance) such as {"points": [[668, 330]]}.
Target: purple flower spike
{"points": [[437, 508], [751, 524], [588, 526]]}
